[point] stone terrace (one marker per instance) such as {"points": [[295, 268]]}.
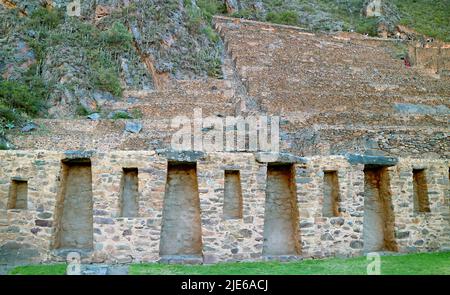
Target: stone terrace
{"points": [[335, 93]]}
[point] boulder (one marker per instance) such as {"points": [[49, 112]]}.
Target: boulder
{"points": [[29, 127], [133, 127]]}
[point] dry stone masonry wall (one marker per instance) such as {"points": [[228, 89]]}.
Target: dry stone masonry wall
{"points": [[74, 202]]}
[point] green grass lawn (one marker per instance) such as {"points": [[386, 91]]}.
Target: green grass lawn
{"points": [[41, 269], [412, 264], [435, 263]]}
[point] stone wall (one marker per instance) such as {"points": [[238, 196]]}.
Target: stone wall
{"points": [[30, 235], [436, 59]]}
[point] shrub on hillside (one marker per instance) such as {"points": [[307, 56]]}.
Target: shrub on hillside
{"points": [[117, 37], [18, 101], [287, 17]]}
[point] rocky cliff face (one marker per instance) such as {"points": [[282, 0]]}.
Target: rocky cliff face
{"points": [[111, 46]]}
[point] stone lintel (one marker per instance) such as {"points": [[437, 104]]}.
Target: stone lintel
{"points": [[78, 156], [282, 158], [371, 160], [19, 178], [181, 156]]}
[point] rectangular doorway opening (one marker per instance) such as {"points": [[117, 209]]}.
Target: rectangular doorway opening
{"points": [[75, 206], [18, 194], [378, 226], [232, 202], [181, 232], [129, 193], [281, 213]]}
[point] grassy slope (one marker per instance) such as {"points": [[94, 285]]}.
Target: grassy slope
{"points": [[429, 17], [413, 264]]}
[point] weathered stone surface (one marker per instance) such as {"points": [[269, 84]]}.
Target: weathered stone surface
{"points": [[181, 224], [281, 217], [101, 97], [326, 237], [133, 127], [338, 221], [356, 244], [378, 227], [94, 270], [268, 157], [76, 207], [103, 220], [13, 253], [29, 127], [305, 224], [402, 235], [44, 215], [421, 109], [182, 156], [94, 117], [43, 223], [77, 155], [371, 160], [246, 233]]}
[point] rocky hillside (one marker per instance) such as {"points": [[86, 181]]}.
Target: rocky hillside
{"points": [[60, 66]]}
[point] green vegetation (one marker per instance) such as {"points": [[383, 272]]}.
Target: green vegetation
{"points": [[41, 269], [287, 17], [400, 50], [429, 17], [367, 26], [121, 115], [101, 48], [117, 37], [25, 96], [312, 14], [19, 101], [209, 8], [199, 22], [411, 264], [136, 114], [45, 31], [16, 99], [44, 18], [82, 111], [435, 263]]}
